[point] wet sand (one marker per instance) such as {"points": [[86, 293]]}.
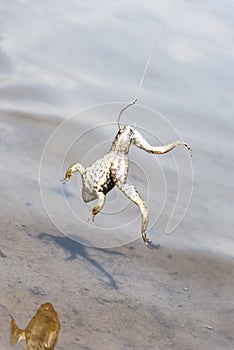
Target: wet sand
{"points": [[174, 296]]}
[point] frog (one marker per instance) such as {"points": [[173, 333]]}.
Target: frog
{"points": [[41, 332], [111, 170]]}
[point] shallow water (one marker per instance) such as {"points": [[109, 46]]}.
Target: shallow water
{"points": [[60, 58]]}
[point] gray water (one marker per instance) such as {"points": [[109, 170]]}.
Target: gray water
{"points": [[58, 58]]}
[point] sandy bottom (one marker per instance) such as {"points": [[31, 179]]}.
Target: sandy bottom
{"points": [[121, 298]]}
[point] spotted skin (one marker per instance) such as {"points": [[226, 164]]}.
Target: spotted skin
{"points": [[100, 177]]}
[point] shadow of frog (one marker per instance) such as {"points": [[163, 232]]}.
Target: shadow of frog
{"points": [[77, 250]]}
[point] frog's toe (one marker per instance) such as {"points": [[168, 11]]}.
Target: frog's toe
{"points": [[189, 148], [64, 180], [91, 216], [147, 241]]}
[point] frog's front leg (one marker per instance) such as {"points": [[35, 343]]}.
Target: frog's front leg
{"points": [[98, 206], [133, 195], [140, 142], [72, 169]]}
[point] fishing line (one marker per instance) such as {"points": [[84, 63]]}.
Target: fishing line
{"points": [[139, 86]]}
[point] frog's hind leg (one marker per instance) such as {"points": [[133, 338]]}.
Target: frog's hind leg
{"points": [[72, 169], [16, 334], [98, 206], [131, 193]]}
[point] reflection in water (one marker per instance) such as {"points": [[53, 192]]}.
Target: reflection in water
{"points": [[41, 332]]}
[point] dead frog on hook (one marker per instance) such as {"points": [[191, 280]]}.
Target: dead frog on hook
{"points": [[112, 170]]}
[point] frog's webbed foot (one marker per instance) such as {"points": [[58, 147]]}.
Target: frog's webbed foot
{"points": [[189, 148], [91, 216], [97, 207], [72, 169], [146, 240]]}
